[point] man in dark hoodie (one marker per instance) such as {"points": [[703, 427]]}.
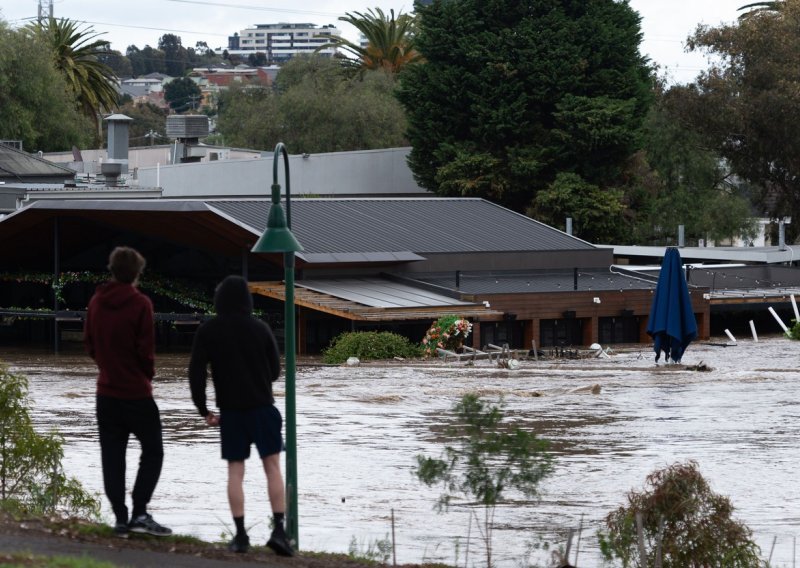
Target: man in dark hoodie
{"points": [[119, 335], [245, 361]]}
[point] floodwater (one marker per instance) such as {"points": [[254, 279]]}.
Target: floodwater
{"points": [[359, 430]]}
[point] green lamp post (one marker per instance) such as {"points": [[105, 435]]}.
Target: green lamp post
{"points": [[278, 237]]}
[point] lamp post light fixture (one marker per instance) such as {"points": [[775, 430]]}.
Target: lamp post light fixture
{"points": [[278, 237]]}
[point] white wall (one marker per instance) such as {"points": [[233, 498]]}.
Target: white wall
{"points": [[370, 172], [141, 157]]}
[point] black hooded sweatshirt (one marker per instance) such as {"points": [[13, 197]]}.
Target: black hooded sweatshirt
{"points": [[241, 350]]}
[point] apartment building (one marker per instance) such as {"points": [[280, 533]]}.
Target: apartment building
{"points": [[281, 42]]}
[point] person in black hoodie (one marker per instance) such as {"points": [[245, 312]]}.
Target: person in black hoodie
{"points": [[119, 335], [244, 359]]}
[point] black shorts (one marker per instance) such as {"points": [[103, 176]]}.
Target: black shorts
{"points": [[239, 429]]}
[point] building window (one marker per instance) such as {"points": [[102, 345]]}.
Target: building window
{"points": [[509, 333], [561, 332], [621, 329]]}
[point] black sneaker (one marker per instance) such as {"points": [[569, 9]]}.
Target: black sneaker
{"points": [[240, 543], [279, 543], [145, 524], [121, 530]]}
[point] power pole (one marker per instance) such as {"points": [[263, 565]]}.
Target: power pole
{"points": [[40, 14], [152, 136]]}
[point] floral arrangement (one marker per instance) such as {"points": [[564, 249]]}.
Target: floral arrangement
{"points": [[448, 332]]}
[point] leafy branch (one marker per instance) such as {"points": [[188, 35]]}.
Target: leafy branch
{"points": [[161, 285]]}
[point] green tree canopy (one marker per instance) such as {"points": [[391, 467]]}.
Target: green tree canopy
{"points": [[390, 41], [598, 214], [748, 104], [36, 106], [693, 185], [146, 60], [117, 62], [247, 117], [176, 57], [257, 59], [515, 92], [316, 106], [182, 94]]}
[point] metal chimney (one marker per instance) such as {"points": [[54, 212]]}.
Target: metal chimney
{"points": [[569, 226], [118, 126], [781, 235], [681, 237]]}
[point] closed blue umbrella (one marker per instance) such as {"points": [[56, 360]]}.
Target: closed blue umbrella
{"points": [[672, 324]]}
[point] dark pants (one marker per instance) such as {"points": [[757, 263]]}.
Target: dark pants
{"points": [[117, 419]]}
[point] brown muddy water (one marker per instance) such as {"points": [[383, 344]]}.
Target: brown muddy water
{"points": [[359, 430]]}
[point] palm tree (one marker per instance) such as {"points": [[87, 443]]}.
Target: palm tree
{"points": [[75, 54], [390, 41], [758, 7]]}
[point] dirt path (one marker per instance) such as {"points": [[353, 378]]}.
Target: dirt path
{"points": [[62, 537]]}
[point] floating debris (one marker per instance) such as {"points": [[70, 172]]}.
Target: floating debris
{"points": [[593, 389], [510, 364], [701, 366]]}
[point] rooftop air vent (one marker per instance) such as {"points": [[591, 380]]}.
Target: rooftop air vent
{"points": [[182, 126]]}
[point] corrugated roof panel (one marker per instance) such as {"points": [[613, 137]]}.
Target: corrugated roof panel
{"points": [[535, 281], [379, 293], [327, 257], [17, 164], [420, 225]]}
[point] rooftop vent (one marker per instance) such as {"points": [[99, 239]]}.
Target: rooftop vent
{"points": [[111, 171], [187, 126]]}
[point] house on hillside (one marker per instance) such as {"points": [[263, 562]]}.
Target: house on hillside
{"points": [[214, 80], [146, 89], [280, 42]]}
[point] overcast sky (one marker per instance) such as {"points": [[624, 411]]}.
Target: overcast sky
{"points": [[665, 23]]}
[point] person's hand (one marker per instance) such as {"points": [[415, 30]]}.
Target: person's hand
{"points": [[212, 419]]}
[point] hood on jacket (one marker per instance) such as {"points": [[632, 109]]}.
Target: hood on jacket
{"points": [[233, 297], [115, 294]]}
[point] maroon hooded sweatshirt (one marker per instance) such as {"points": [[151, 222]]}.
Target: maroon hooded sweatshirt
{"points": [[120, 336]]}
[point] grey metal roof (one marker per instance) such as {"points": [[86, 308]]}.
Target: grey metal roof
{"points": [[379, 293], [183, 206], [17, 165], [535, 281], [399, 256], [728, 277], [134, 91], [418, 225], [768, 255], [354, 231]]}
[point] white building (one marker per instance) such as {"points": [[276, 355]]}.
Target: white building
{"points": [[281, 42]]}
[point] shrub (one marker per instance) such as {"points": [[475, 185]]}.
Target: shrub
{"points": [[368, 345], [31, 476], [683, 521], [491, 458], [794, 331]]}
